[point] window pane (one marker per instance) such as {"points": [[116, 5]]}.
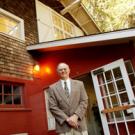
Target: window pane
{"points": [[0, 99], [17, 89], [58, 34], [57, 20], [7, 89], [7, 99], [17, 99], [9, 25]]}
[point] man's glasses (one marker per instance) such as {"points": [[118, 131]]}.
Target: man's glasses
{"points": [[62, 69]]}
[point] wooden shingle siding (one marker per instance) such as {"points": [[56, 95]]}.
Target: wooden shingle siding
{"points": [[14, 59]]}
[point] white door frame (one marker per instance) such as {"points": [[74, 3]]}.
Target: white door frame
{"points": [[118, 63]]}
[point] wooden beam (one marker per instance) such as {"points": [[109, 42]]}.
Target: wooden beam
{"points": [[118, 108], [69, 7]]}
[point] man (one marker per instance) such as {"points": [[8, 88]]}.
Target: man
{"points": [[68, 103]]}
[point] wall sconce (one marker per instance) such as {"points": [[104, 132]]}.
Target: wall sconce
{"points": [[36, 68], [36, 71]]}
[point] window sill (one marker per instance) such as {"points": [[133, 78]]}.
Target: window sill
{"points": [[15, 109], [14, 38]]}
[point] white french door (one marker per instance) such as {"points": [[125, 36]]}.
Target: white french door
{"points": [[115, 98]]}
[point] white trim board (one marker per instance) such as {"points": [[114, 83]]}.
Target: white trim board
{"points": [[116, 35]]}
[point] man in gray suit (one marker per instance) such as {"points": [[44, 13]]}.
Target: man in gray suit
{"points": [[68, 103]]}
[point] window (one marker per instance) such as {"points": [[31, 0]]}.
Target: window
{"points": [[62, 28], [11, 94], [11, 24]]}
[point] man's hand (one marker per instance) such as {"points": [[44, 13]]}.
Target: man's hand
{"points": [[73, 121]]}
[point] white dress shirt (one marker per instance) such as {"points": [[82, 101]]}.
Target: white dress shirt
{"points": [[68, 81]]}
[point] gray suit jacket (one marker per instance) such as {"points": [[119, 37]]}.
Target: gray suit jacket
{"points": [[62, 107]]}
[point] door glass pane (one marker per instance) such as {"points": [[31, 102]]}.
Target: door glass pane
{"points": [[114, 100], [129, 67], [117, 73], [103, 90], [131, 127], [108, 75], [100, 79], [112, 128], [118, 115], [106, 102], [111, 88], [110, 117], [120, 85], [132, 79], [124, 98], [122, 128]]}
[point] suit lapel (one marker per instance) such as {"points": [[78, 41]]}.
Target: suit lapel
{"points": [[61, 92], [73, 91]]}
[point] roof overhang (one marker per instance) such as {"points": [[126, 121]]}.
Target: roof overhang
{"points": [[116, 37]]}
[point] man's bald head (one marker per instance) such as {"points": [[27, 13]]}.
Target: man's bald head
{"points": [[62, 65], [63, 70]]}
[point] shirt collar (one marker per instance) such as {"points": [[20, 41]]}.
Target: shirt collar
{"points": [[68, 80]]}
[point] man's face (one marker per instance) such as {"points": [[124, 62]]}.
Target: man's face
{"points": [[63, 71]]}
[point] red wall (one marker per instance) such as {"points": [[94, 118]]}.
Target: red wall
{"points": [[82, 60]]}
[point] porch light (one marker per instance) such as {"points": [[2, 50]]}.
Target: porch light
{"points": [[36, 68]]}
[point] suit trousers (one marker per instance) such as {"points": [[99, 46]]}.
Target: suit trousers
{"points": [[74, 132]]}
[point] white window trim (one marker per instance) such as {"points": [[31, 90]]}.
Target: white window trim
{"points": [[50, 117], [21, 23]]}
